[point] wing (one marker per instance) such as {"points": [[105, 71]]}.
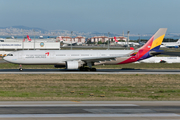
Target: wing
{"points": [[99, 59]]}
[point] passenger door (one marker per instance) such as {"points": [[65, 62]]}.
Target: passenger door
{"points": [[20, 55], [52, 55]]}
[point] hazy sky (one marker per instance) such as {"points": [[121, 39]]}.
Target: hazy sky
{"points": [[138, 16]]}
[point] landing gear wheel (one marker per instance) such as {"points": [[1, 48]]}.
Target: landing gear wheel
{"points": [[20, 69], [93, 69], [87, 69], [81, 68]]}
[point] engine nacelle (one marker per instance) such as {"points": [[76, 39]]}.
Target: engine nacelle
{"points": [[73, 64]]}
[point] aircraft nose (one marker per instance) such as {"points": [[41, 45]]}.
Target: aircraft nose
{"points": [[5, 58]]}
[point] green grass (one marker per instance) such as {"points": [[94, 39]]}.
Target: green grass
{"points": [[114, 87]]}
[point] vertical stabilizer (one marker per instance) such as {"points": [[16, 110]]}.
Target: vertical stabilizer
{"points": [[149, 49]]}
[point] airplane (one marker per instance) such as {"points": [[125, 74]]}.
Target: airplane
{"points": [[68, 43], [120, 43], [141, 43], [160, 60], [125, 43], [171, 44], [78, 59]]}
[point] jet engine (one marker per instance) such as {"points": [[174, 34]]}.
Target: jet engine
{"points": [[74, 64]]}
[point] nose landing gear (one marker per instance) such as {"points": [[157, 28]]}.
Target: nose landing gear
{"points": [[20, 67]]}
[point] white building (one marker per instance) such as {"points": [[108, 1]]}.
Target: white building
{"points": [[76, 39], [79, 39], [7, 47], [99, 38], [118, 38], [104, 39]]}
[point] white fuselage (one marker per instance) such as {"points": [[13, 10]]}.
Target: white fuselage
{"points": [[171, 44], [160, 59], [59, 57], [130, 43]]}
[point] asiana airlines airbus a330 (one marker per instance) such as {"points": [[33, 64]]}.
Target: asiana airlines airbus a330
{"points": [[78, 59]]}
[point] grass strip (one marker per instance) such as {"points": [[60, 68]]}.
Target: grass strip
{"points": [[131, 65], [103, 87]]}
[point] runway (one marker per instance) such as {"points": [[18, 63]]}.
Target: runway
{"points": [[90, 110], [99, 71]]}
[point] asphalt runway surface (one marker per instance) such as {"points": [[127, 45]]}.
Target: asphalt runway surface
{"points": [[99, 71], [140, 110]]}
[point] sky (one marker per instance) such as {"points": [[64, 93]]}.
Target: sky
{"points": [[137, 16]]}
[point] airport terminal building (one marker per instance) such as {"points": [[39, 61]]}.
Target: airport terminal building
{"points": [[7, 47]]}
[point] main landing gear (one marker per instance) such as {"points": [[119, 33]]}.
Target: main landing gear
{"points": [[20, 67], [87, 69]]}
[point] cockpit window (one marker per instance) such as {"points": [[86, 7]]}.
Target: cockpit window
{"points": [[9, 54]]}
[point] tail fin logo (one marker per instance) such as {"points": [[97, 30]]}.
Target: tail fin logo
{"points": [[29, 39], [115, 39], [131, 48]]}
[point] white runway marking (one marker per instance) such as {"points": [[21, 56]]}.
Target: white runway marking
{"points": [[86, 115], [119, 111], [63, 105]]}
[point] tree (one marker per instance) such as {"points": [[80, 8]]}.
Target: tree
{"points": [[89, 42], [99, 42]]}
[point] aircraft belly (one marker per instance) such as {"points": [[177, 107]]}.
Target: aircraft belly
{"points": [[118, 60], [113, 62]]}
